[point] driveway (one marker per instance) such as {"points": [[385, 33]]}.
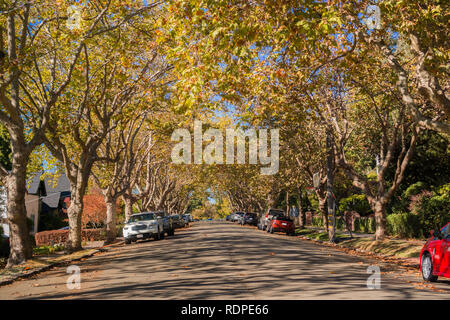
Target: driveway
{"points": [[221, 260]]}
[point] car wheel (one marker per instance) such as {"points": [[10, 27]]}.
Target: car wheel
{"points": [[171, 232], [162, 235], [127, 241], [427, 268]]}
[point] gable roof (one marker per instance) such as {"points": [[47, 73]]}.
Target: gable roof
{"points": [[53, 189], [33, 183], [52, 199], [60, 185]]}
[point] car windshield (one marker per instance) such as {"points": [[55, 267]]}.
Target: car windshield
{"points": [[445, 231], [282, 218], [142, 217], [276, 212]]}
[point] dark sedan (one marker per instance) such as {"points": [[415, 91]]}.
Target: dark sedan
{"points": [[249, 218], [178, 221]]}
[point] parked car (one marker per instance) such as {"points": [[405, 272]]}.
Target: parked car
{"points": [[265, 220], [185, 218], [143, 225], [168, 227], [435, 255], [236, 216], [228, 217], [249, 218], [178, 221], [280, 223]]}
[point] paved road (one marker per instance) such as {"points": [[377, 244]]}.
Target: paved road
{"points": [[221, 260]]}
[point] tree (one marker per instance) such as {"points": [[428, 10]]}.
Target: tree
{"points": [[21, 113], [128, 150], [421, 73], [116, 69]]}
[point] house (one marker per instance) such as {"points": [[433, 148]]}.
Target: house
{"points": [[44, 198]]}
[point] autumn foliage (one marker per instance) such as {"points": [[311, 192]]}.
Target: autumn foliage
{"points": [[94, 211]]}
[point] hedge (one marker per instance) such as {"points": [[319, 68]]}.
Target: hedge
{"points": [[317, 221], [365, 224], [51, 237], [404, 225]]}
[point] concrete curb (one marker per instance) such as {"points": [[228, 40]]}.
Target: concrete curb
{"points": [[54, 264]]}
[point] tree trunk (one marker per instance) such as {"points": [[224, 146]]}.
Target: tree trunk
{"points": [[379, 207], [128, 207], [287, 203], [324, 211], [301, 216], [111, 206], [17, 214], [74, 213]]}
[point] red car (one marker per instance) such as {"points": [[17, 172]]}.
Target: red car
{"points": [[281, 224], [435, 255]]}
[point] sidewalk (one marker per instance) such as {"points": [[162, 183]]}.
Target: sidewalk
{"points": [[40, 263]]}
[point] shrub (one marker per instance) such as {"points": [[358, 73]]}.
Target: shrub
{"points": [[317, 221], [340, 223], [414, 189], [365, 225], [52, 237], [42, 250], [432, 209], [356, 202], [404, 224]]}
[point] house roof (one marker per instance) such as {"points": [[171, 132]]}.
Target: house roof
{"points": [[62, 184], [53, 188], [52, 199], [33, 184]]}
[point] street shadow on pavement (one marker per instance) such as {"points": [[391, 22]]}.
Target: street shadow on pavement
{"points": [[226, 261]]}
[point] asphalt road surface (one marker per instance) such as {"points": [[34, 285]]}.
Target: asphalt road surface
{"points": [[220, 260]]}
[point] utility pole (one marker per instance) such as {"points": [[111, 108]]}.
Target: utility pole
{"points": [[330, 181]]}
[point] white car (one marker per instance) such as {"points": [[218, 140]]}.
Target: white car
{"points": [[143, 225]]}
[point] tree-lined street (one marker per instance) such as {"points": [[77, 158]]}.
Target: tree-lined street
{"points": [[131, 119], [220, 260]]}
